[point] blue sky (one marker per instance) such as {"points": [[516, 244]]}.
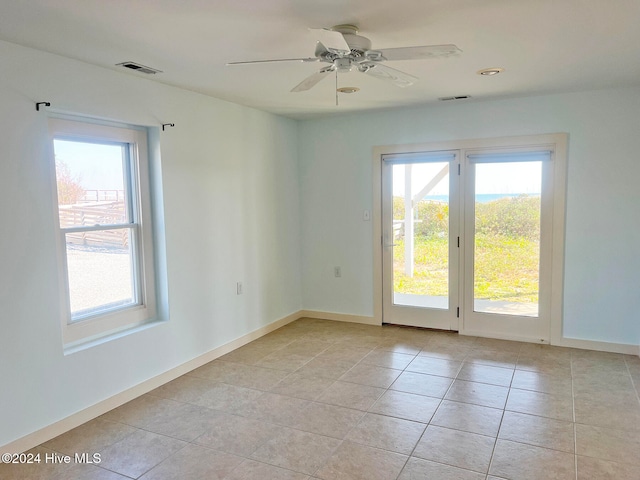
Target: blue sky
{"points": [[97, 166], [491, 178]]}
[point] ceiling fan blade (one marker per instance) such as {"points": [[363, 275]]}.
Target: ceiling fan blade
{"points": [[304, 60], [312, 80], [320, 50], [333, 41], [413, 53], [378, 70]]}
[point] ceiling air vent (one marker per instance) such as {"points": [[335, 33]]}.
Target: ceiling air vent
{"points": [[459, 97], [138, 68]]}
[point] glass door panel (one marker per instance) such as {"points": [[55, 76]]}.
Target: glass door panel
{"points": [[421, 235], [506, 246]]}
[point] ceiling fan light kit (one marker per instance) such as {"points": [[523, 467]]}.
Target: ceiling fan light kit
{"points": [[345, 51], [348, 89], [488, 72]]}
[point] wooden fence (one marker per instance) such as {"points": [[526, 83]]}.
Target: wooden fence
{"points": [[92, 214]]}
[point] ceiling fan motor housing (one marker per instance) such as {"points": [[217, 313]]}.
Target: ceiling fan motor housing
{"points": [[358, 45], [343, 64]]}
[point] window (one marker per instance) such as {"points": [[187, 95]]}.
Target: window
{"points": [[105, 234]]}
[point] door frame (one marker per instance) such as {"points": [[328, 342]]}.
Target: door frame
{"points": [[559, 143], [447, 319]]}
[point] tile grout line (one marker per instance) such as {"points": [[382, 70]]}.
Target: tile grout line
{"points": [[495, 444], [486, 474], [434, 413], [244, 458], [404, 465], [387, 389], [342, 441], [410, 456], [291, 427], [635, 386]]}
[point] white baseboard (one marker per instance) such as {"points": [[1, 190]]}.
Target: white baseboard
{"points": [[563, 342], [339, 317], [599, 346], [51, 431], [513, 338], [567, 342]]}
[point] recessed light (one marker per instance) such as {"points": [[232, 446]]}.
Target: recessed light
{"points": [[490, 71], [348, 89]]}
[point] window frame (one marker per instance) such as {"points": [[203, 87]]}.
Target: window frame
{"points": [[110, 321]]}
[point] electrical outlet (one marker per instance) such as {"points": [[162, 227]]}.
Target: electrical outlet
{"points": [[337, 271], [239, 288]]}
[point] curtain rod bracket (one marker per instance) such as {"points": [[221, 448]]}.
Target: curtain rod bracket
{"points": [[46, 104], [167, 125]]}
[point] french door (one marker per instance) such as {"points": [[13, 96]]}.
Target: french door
{"points": [[468, 237], [507, 243], [420, 239]]}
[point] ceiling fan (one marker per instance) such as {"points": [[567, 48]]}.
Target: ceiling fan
{"points": [[344, 50]]}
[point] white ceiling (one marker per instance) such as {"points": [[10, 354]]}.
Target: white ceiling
{"points": [[544, 45]]}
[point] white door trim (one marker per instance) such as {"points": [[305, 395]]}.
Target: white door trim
{"points": [[559, 140]]}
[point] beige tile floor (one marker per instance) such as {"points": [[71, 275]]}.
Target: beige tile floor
{"points": [[328, 400]]}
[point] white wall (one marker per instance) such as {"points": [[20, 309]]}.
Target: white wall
{"points": [[602, 264], [230, 185]]}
